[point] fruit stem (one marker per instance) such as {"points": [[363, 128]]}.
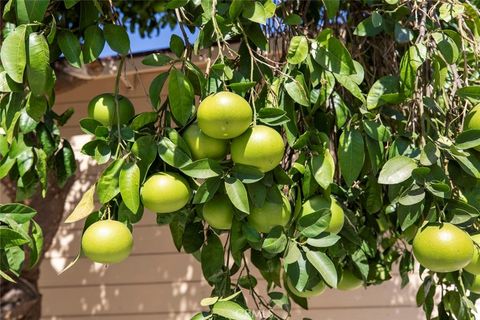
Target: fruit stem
{"points": [[117, 110]]}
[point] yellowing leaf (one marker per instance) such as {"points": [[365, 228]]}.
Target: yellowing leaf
{"points": [[84, 207]]}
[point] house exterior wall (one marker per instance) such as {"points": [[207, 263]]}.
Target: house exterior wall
{"points": [[156, 281]]}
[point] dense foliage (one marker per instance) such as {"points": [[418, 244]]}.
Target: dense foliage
{"points": [[375, 101]]}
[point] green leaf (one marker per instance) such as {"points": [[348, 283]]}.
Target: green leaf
{"points": [[193, 237], [235, 9], [272, 116], [293, 253], [206, 191], [298, 50], [325, 241], [172, 154], [38, 64], [332, 7], [41, 169], [177, 228], [385, 90], [324, 266], [348, 83], [369, 27], [449, 11], [36, 107], [70, 46], [145, 150], [333, 56], [108, 183], [36, 244], [70, 3], [84, 207], [254, 11], [396, 170], [202, 169], [177, 139], [93, 44], [293, 19], [5, 165], [470, 164], [242, 87], [237, 193], [143, 119], [11, 238], [313, 224], [180, 93], [17, 212], [207, 7], [296, 89], [276, 241], [468, 139], [129, 182], [176, 45], [7, 84], [231, 310], [351, 155], [471, 93], [212, 259], [172, 4], [13, 54], [29, 11], [360, 260], [117, 38], [25, 161], [65, 163], [413, 196], [447, 47], [155, 89], [247, 174], [156, 60], [376, 130], [323, 168], [342, 112], [430, 154]]}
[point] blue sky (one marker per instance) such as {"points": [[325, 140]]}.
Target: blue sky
{"points": [[161, 41]]}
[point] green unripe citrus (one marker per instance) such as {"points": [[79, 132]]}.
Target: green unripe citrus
{"points": [[317, 203], [218, 212], [102, 108], [475, 287], [107, 242], [307, 293], [224, 115], [348, 281], [165, 192], [474, 266], [271, 214], [472, 121], [443, 247], [260, 146], [203, 146]]}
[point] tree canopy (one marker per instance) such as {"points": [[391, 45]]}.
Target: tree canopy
{"points": [[376, 104]]}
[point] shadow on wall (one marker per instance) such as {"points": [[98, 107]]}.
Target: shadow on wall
{"points": [[157, 282]]}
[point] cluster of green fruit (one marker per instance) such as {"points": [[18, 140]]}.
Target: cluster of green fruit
{"points": [[223, 128]]}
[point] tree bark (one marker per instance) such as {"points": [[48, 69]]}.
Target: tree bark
{"points": [[23, 300]]}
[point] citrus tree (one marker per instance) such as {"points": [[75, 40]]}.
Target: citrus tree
{"points": [[327, 143]]}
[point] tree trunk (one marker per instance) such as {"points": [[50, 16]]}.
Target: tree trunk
{"points": [[22, 300]]}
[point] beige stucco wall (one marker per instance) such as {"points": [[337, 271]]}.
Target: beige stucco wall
{"points": [[157, 282]]}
